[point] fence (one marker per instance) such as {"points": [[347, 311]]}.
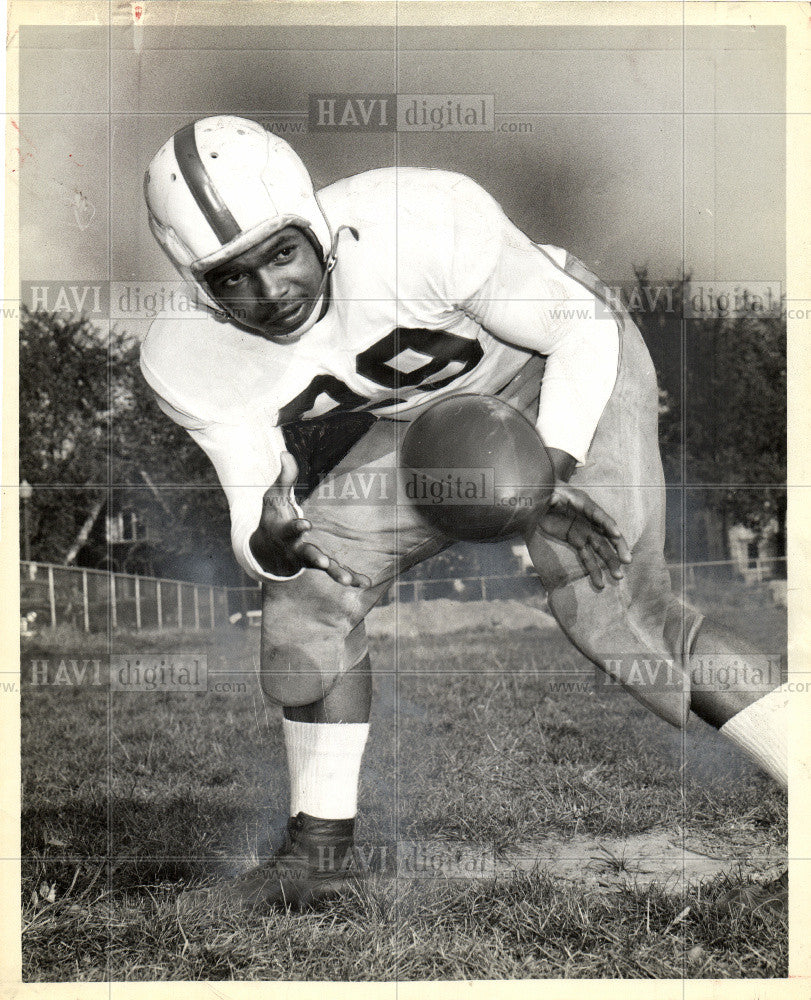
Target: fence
{"points": [[685, 577], [459, 588], [96, 600], [749, 571]]}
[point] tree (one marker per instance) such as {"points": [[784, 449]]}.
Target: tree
{"points": [[64, 426], [90, 430], [726, 435], [735, 423]]}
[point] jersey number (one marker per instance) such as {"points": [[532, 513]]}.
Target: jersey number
{"points": [[379, 364]]}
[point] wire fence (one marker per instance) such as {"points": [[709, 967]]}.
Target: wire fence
{"points": [[768, 573], [93, 600]]}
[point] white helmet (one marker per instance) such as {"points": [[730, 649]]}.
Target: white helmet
{"points": [[223, 184]]}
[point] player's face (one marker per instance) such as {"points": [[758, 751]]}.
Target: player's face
{"points": [[273, 287]]}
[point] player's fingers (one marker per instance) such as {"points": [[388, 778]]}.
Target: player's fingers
{"points": [[608, 554], [345, 576], [315, 558], [583, 504], [623, 550], [311, 555], [295, 529], [355, 579], [591, 566], [339, 574], [595, 513], [607, 525], [610, 527]]}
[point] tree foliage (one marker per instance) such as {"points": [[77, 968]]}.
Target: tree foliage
{"points": [[723, 419], [89, 428], [65, 369]]}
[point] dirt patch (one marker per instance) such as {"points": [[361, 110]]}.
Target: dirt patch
{"points": [[442, 617], [660, 856]]}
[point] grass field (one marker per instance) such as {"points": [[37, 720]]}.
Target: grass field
{"points": [[129, 797]]}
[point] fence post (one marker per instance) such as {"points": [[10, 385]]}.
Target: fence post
{"points": [[243, 592], [484, 588], [113, 607], [52, 596], [159, 605], [196, 608], [179, 605], [85, 602], [211, 605], [138, 603]]}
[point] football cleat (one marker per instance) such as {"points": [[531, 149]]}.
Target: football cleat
{"points": [[316, 862], [759, 898]]}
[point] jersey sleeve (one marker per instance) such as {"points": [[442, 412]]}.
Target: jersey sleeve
{"points": [[520, 293], [246, 456], [247, 460]]}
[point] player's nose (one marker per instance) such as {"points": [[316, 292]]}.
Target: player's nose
{"points": [[271, 286]]}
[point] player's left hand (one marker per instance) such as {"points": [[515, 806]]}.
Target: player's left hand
{"points": [[573, 517]]}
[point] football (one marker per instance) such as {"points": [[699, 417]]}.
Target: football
{"points": [[475, 468]]}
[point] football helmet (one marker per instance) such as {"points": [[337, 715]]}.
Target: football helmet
{"points": [[223, 184]]}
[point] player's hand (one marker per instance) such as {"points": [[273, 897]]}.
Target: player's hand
{"points": [[280, 542], [573, 517]]}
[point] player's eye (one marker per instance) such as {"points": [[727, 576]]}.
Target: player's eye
{"points": [[284, 253], [232, 280]]}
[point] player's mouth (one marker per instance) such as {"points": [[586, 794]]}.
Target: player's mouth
{"points": [[291, 313], [284, 322]]}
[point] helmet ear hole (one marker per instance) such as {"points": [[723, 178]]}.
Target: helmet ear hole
{"points": [[174, 177], [213, 156]]}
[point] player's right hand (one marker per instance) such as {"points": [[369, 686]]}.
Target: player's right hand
{"points": [[280, 543], [574, 518]]}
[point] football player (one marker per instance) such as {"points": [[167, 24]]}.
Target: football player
{"points": [[385, 292]]}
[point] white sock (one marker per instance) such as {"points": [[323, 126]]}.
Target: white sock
{"points": [[760, 731], [323, 759]]}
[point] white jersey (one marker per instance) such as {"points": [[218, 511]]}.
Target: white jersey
{"points": [[439, 293]]}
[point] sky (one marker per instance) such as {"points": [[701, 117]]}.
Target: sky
{"points": [[623, 145]]}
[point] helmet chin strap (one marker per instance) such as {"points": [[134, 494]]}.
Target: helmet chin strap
{"points": [[332, 260], [321, 297]]}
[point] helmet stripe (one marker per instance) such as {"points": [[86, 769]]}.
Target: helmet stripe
{"points": [[214, 209]]}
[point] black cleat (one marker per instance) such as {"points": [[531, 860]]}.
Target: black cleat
{"points": [[315, 862]]}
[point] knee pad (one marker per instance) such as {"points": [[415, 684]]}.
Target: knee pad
{"points": [[298, 668], [626, 642], [290, 675]]}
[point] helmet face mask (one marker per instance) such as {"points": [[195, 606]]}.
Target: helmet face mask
{"points": [[222, 186]]}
